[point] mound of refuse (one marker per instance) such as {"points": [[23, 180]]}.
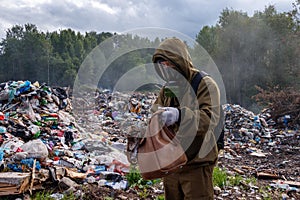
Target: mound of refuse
{"points": [[48, 136], [41, 136]]}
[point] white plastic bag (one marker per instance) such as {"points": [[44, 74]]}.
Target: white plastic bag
{"points": [[35, 149]]}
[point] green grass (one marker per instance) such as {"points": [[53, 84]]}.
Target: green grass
{"points": [[108, 198], [144, 193], [42, 195], [160, 197], [235, 180], [219, 177], [134, 178], [69, 196], [266, 192], [251, 180], [46, 195]]}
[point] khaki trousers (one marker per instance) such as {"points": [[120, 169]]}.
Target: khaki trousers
{"points": [[190, 183]]}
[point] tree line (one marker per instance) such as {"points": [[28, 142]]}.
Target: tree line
{"points": [[54, 58], [260, 50]]}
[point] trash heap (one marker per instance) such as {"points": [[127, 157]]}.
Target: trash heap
{"points": [[41, 141], [257, 146], [47, 136], [108, 111], [244, 127]]}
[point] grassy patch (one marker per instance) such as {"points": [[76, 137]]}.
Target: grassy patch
{"points": [[235, 180], [42, 195], [265, 191], [160, 197], [144, 193], [251, 180], [134, 178], [219, 177]]}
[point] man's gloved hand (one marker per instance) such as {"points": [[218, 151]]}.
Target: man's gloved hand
{"points": [[170, 115]]}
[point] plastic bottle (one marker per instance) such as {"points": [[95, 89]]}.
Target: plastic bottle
{"points": [[37, 134], [50, 119], [1, 154], [100, 168], [2, 129], [2, 116]]}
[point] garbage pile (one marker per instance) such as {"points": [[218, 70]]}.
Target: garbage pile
{"points": [[46, 136], [108, 111], [243, 126], [40, 136], [255, 147]]}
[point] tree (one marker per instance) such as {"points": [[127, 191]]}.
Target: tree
{"points": [[259, 50], [24, 53]]}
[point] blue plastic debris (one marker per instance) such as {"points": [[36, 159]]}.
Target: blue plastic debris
{"points": [[17, 167]]}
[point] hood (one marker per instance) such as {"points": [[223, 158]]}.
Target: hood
{"points": [[175, 51]]}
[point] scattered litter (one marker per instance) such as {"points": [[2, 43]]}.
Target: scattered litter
{"points": [[42, 141]]}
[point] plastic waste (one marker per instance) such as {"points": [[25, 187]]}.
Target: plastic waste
{"points": [[24, 87], [286, 120], [12, 145], [68, 137], [28, 110], [1, 154], [35, 130], [78, 145], [19, 167], [2, 129], [57, 196], [100, 168], [284, 186], [35, 149], [257, 123], [4, 94], [29, 162], [2, 116], [118, 185], [91, 179], [14, 167], [20, 155]]}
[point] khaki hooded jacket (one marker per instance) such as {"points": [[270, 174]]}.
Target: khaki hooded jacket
{"points": [[199, 114]]}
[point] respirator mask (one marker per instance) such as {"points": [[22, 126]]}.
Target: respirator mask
{"points": [[167, 71]]}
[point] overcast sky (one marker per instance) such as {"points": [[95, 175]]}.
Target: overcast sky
{"points": [[185, 16]]}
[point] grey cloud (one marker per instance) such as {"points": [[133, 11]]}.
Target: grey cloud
{"points": [[187, 16]]}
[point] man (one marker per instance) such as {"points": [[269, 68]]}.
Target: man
{"points": [[192, 116]]}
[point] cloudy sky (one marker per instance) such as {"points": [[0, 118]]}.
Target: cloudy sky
{"points": [[185, 16]]}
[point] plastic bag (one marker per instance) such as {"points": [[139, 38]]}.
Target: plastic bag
{"points": [[35, 149]]}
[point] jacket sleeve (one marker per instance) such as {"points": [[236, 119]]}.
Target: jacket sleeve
{"points": [[206, 114]]}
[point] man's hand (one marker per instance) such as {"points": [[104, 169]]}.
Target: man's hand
{"points": [[170, 115]]}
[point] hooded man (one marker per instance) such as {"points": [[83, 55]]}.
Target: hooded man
{"points": [[192, 116]]}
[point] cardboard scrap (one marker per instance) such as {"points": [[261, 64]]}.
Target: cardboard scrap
{"points": [[73, 174], [14, 182], [238, 171], [264, 175], [248, 167], [32, 177]]}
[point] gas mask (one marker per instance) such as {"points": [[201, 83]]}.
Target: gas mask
{"points": [[167, 71]]}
